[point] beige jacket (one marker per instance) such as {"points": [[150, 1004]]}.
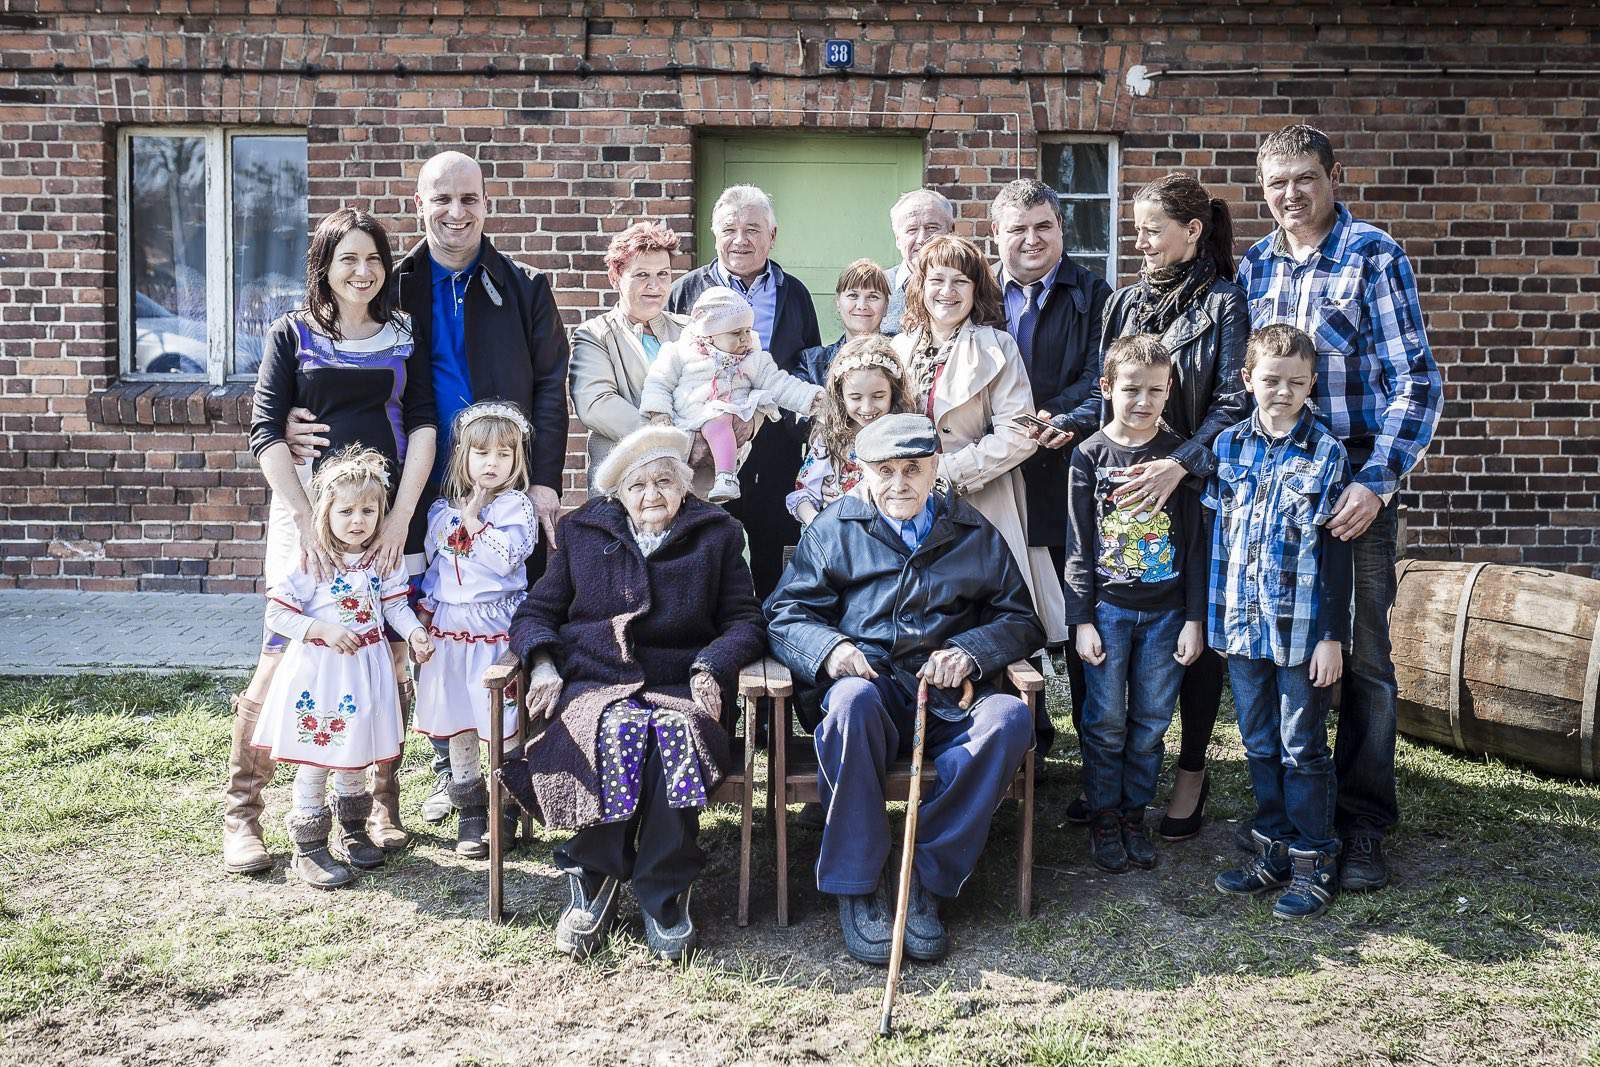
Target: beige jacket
{"points": [[983, 387], [607, 373]]}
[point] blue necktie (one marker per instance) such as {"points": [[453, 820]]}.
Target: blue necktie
{"points": [[1027, 322]]}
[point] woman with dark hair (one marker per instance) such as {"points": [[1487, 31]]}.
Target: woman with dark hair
{"points": [[967, 376], [1186, 295], [347, 357]]}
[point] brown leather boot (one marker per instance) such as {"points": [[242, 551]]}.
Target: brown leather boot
{"points": [[384, 824], [249, 771]]}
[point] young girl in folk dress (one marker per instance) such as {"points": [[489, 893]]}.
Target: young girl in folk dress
{"points": [[716, 372], [480, 534], [333, 703], [865, 381]]}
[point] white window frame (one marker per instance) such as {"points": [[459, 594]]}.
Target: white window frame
{"points": [[1113, 182], [219, 246]]}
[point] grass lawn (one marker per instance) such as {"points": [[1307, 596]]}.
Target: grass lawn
{"points": [[121, 940]]}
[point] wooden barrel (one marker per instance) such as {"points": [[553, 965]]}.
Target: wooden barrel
{"points": [[1499, 660]]}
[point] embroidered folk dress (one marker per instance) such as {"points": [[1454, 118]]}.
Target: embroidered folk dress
{"points": [[818, 483], [326, 708], [473, 586]]}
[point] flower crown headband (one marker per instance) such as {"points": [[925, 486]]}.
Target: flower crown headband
{"points": [[353, 464], [855, 361], [494, 409]]}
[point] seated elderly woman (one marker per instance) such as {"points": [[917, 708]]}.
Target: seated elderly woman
{"points": [[633, 639]]}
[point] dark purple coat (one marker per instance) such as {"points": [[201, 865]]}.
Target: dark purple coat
{"points": [[621, 625]]}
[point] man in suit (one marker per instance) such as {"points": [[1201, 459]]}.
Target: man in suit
{"points": [[744, 227], [1054, 310]]}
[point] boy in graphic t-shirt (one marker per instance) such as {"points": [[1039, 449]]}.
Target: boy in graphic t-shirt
{"points": [[1136, 597]]}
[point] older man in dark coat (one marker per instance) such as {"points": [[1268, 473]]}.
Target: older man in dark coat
{"points": [[744, 227], [884, 592]]}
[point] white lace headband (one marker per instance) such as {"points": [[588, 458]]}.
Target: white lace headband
{"points": [[855, 361], [494, 409]]}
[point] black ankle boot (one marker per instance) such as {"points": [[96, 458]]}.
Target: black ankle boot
{"points": [[355, 845], [472, 800]]}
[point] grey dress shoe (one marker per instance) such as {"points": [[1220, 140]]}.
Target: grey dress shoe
{"points": [[588, 918], [867, 927], [672, 942], [926, 938], [437, 807]]}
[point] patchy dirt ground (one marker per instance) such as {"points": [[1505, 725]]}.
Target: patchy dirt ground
{"points": [[124, 943]]}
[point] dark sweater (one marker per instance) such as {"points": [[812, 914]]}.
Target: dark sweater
{"points": [[1137, 562]]}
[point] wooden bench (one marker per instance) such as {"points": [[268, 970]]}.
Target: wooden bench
{"points": [[792, 774], [736, 788]]}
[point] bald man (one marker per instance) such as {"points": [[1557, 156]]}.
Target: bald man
{"points": [[494, 333]]}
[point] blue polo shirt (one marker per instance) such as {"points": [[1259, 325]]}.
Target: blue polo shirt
{"points": [[452, 387]]}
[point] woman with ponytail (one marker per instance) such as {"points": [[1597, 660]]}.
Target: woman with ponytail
{"points": [[1186, 295]]}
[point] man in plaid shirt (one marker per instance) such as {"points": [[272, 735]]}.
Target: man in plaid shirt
{"points": [[1349, 286]]}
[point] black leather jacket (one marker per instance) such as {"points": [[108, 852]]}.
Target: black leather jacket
{"points": [[853, 579], [1207, 345]]}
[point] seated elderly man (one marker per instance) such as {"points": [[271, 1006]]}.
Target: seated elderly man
{"points": [[904, 585], [634, 638]]}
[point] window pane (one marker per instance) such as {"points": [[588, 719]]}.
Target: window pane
{"points": [[167, 239], [269, 239], [1090, 262], [1077, 167], [1088, 225]]}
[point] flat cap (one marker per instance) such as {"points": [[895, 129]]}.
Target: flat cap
{"points": [[903, 436]]}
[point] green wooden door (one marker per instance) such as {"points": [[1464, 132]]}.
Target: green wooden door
{"points": [[832, 193]]}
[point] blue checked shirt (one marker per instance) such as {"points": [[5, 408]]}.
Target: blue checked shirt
{"points": [[1272, 496], [1357, 299]]}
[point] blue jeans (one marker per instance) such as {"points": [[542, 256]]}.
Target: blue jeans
{"points": [[1283, 721], [441, 755], [1128, 703], [1363, 754]]}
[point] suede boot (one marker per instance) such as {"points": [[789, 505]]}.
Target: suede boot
{"points": [[313, 864], [354, 846], [472, 800], [384, 825], [249, 771]]}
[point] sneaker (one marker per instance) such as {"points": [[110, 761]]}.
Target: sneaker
{"points": [[926, 938], [587, 918], [1364, 866], [1078, 812], [1312, 887], [1105, 843], [437, 807], [1136, 843], [867, 927], [724, 488], [1269, 870], [674, 942]]}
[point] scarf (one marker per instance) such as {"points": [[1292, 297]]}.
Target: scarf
{"points": [[926, 360], [1166, 292]]}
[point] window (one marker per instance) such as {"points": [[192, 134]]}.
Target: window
{"points": [[1083, 170], [211, 247]]}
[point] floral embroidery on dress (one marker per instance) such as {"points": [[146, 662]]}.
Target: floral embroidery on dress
{"points": [[324, 730], [354, 607]]}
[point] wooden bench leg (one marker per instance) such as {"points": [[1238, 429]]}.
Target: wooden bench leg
{"points": [[747, 812], [497, 854], [777, 769]]}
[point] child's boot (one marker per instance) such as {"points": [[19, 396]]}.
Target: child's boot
{"points": [[1312, 886], [1268, 870], [1105, 842], [1135, 842], [724, 488], [355, 847], [384, 825], [313, 864], [472, 800], [249, 771]]}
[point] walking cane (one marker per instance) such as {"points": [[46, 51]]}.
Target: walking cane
{"points": [[908, 850]]}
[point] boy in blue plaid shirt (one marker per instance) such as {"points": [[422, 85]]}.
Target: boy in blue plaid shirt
{"points": [[1279, 610]]}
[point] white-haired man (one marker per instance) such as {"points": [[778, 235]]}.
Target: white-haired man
{"points": [[916, 218], [744, 227]]}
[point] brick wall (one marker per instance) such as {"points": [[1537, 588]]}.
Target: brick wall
{"points": [[1487, 172]]}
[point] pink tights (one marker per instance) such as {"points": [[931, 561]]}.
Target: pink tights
{"points": [[724, 448]]}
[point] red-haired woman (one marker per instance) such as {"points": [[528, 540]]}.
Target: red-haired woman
{"points": [[612, 352], [967, 375]]}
